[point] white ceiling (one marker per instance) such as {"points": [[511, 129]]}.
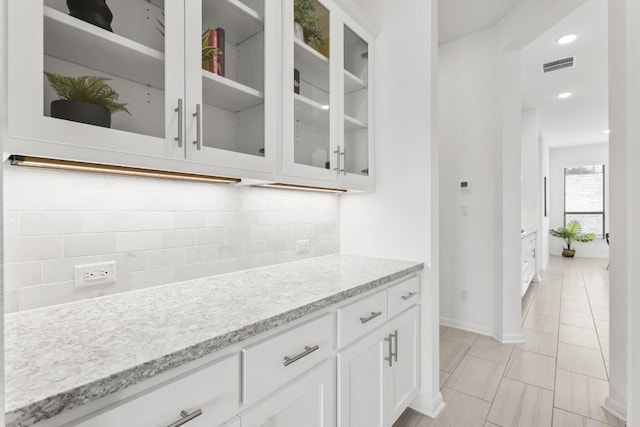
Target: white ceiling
{"points": [[457, 18], [582, 118]]}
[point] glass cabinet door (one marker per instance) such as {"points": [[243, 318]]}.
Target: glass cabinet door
{"points": [[229, 106], [308, 151], [97, 74], [355, 154]]}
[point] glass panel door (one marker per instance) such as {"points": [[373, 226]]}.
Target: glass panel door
{"points": [[355, 157], [109, 60], [311, 85], [233, 76]]}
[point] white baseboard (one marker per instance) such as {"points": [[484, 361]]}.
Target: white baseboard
{"points": [[467, 326], [430, 409], [616, 409], [483, 330]]}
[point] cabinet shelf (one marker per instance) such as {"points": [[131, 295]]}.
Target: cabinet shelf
{"points": [[313, 66], [309, 111], [76, 41], [352, 82], [239, 21], [351, 123], [225, 93]]}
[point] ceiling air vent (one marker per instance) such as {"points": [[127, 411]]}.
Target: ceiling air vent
{"points": [[558, 64]]}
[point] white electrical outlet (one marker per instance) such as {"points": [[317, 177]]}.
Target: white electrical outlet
{"points": [[302, 246], [464, 295], [95, 274]]}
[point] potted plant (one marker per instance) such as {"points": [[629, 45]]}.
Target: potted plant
{"points": [[95, 12], [571, 233], [304, 15], [84, 99]]}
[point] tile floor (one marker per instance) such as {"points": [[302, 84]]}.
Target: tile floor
{"points": [[558, 378]]}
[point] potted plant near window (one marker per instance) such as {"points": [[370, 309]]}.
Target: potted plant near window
{"points": [[84, 99], [571, 233], [306, 21]]}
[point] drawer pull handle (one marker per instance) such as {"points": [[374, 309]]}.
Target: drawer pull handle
{"points": [[186, 417], [374, 314], [180, 124], [307, 351], [409, 295]]}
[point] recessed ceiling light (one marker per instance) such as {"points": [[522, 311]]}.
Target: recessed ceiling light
{"points": [[324, 107], [607, 131], [564, 95], [569, 38]]}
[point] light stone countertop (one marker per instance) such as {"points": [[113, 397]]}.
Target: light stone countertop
{"points": [[527, 233], [60, 357]]}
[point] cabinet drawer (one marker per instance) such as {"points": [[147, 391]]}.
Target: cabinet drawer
{"points": [[199, 390], [358, 318], [277, 360], [404, 295]]}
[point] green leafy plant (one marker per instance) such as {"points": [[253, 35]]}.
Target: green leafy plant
{"points": [[304, 13], [572, 233], [92, 89]]}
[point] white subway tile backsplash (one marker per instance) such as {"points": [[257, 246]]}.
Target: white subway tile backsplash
{"points": [[32, 248], [166, 258], [178, 238], [44, 223], [61, 269], [138, 241], [21, 274], [101, 222], [89, 244], [190, 220], [157, 231], [211, 236]]}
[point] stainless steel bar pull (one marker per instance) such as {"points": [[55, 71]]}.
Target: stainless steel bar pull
{"points": [[390, 358], [186, 417], [409, 295], [307, 351], [374, 314], [395, 338], [198, 116], [180, 123], [337, 152], [344, 162]]}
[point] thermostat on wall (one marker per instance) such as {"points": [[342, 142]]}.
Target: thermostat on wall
{"points": [[465, 185]]}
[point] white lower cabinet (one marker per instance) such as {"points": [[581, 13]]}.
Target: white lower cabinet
{"points": [[308, 401], [378, 375]]}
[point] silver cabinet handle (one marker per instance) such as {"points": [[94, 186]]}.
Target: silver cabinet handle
{"points": [[409, 295], [186, 417], [374, 314], [395, 338], [337, 152], [198, 116], [390, 358], [307, 351], [344, 162], [180, 123]]}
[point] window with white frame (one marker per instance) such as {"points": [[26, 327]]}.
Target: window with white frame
{"points": [[584, 198]]}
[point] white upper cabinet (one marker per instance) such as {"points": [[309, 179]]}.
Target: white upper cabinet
{"points": [[143, 66], [232, 109], [327, 67], [208, 87]]}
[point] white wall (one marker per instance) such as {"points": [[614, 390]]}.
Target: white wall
{"points": [[400, 219], [560, 158], [530, 170], [469, 149], [158, 231]]}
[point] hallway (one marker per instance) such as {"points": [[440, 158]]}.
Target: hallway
{"points": [[559, 378]]}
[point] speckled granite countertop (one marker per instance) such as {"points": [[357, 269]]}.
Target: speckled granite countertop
{"points": [[61, 357]]}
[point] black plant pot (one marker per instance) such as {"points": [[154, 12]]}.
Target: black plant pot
{"points": [[80, 111], [95, 12]]}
